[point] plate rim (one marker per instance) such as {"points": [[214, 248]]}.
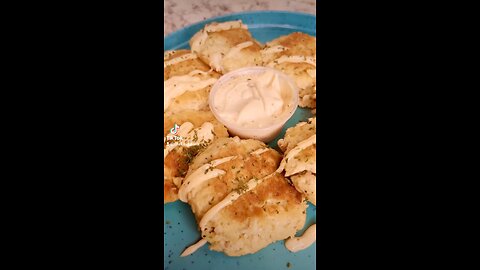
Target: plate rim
{"points": [[211, 19]]}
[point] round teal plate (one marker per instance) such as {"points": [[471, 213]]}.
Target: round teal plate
{"points": [[180, 228]]}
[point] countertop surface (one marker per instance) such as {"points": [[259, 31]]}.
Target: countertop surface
{"points": [[181, 13]]}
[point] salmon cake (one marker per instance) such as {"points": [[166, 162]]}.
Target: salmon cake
{"points": [[295, 55], [226, 46], [240, 202], [299, 147], [187, 82]]}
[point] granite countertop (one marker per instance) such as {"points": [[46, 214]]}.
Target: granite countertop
{"points": [[180, 13]]}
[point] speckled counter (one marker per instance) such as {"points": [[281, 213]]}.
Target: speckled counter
{"points": [[180, 13]]}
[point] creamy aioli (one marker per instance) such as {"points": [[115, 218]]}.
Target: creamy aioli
{"points": [[178, 85], [229, 199], [238, 48], [191, 249], [198, 40], [254, 100], [292, 153], [295, 59], [201, 175], [216, 59], [260, 151], [189, 136], [295, 166], [179, 59], [299, 243], [274, 49]]}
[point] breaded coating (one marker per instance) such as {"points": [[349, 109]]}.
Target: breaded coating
{"points": [[295, 55], [187, 82], [176, 162], [246, 205], [290, 45], [226, 46], [306, 182], [299, 161], [296, 134], [183, 67]]}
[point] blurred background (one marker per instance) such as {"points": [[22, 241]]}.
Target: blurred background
{"points": [[180, 13]]}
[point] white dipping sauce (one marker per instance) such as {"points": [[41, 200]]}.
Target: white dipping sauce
{"points": [[299, 243], [191, 249], [254, 100]]}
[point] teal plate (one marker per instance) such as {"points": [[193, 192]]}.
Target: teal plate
{"points": [[180, 228]]}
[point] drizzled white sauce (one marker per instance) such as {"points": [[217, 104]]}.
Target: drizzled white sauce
{"points": [[296, 244], [273, 49], [292, 153], [198, 40], [294, 59], [178, 85], [200, 175], [295, 166], [191, 249], [229, 199], [189, 136], [179, 59], [260, 151], [216, 59]]}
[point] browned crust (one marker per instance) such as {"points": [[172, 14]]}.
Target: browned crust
{"points": [[253, 203], [184, 67], [222, 41], [170, 191], [177, 161], [297, 43], [295, 135], [308, 153], [233, 37]]}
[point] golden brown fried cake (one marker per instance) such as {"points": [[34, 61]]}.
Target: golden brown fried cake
{"points": [[295, 55], [240, 202], [187, 82], [226, 46], [304, 75], [201, 128], [300, 157], [290, 45], [181, 62], [296, 134], [196, 118]]}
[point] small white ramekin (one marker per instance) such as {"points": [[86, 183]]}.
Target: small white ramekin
{"points": [[265, 134]]}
